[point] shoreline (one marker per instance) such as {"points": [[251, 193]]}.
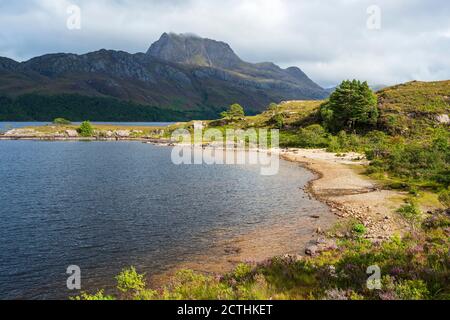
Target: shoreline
{"points": [[336, 184], [276, 238], [74, 139], [349, 193]]}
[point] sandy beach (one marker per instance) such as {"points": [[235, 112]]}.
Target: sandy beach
{"points": [[342, 185]]}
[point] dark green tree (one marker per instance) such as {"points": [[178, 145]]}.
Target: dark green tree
{"points": [[352, 106], [234, 112]]}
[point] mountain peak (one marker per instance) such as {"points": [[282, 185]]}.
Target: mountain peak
{"points": [[191, 49]]}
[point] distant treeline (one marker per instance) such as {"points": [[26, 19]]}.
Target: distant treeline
{"points": [[36, 107]]}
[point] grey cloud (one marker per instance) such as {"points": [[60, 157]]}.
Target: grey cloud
{"points": [[328, 39]]}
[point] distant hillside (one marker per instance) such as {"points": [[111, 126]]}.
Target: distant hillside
{"points": [[180, 74]]}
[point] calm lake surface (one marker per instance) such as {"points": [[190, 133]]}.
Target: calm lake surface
{"points": [[107, 205]]}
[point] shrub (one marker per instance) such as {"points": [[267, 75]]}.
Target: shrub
{"points": [[313, 136], [234, 112], [61, 121], [437, 220], [277, 120], [86, 129], [412, 290], [100, 295], [129, 280], [188, 285], [145, 295], [359, 229], [242, 272], [444, 198], [272, 107], [410, 211]]}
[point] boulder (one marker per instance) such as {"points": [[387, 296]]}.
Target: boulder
{"points": [[443, 118], [122, 133], [109, 134], [311, 250], [72, 133]]}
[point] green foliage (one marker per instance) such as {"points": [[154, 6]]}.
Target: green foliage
{"points": [[145, 295], [410, 211], [313, 136], [61, 121], [272, 107], [86, 129], [422, 161], [235, 112], [437, 221], [444, 198], [242, 272], [359, 229], [129, 280], [412, 290], [188, 285], [100, 295], [277, 120], [351, 106]]}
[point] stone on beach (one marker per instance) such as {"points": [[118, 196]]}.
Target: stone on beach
{"points": [[24, 132], [72, 133], [123, 133]]}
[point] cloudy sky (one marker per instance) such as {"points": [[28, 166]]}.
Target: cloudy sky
{"points": [[330, 40]]}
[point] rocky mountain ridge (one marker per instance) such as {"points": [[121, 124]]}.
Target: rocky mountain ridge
{"points": [[185, 73]]}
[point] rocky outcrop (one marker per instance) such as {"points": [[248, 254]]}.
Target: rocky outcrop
{"points": [[194, 50]]}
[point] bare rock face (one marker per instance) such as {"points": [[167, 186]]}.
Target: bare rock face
{"points": [[191, 49]]}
